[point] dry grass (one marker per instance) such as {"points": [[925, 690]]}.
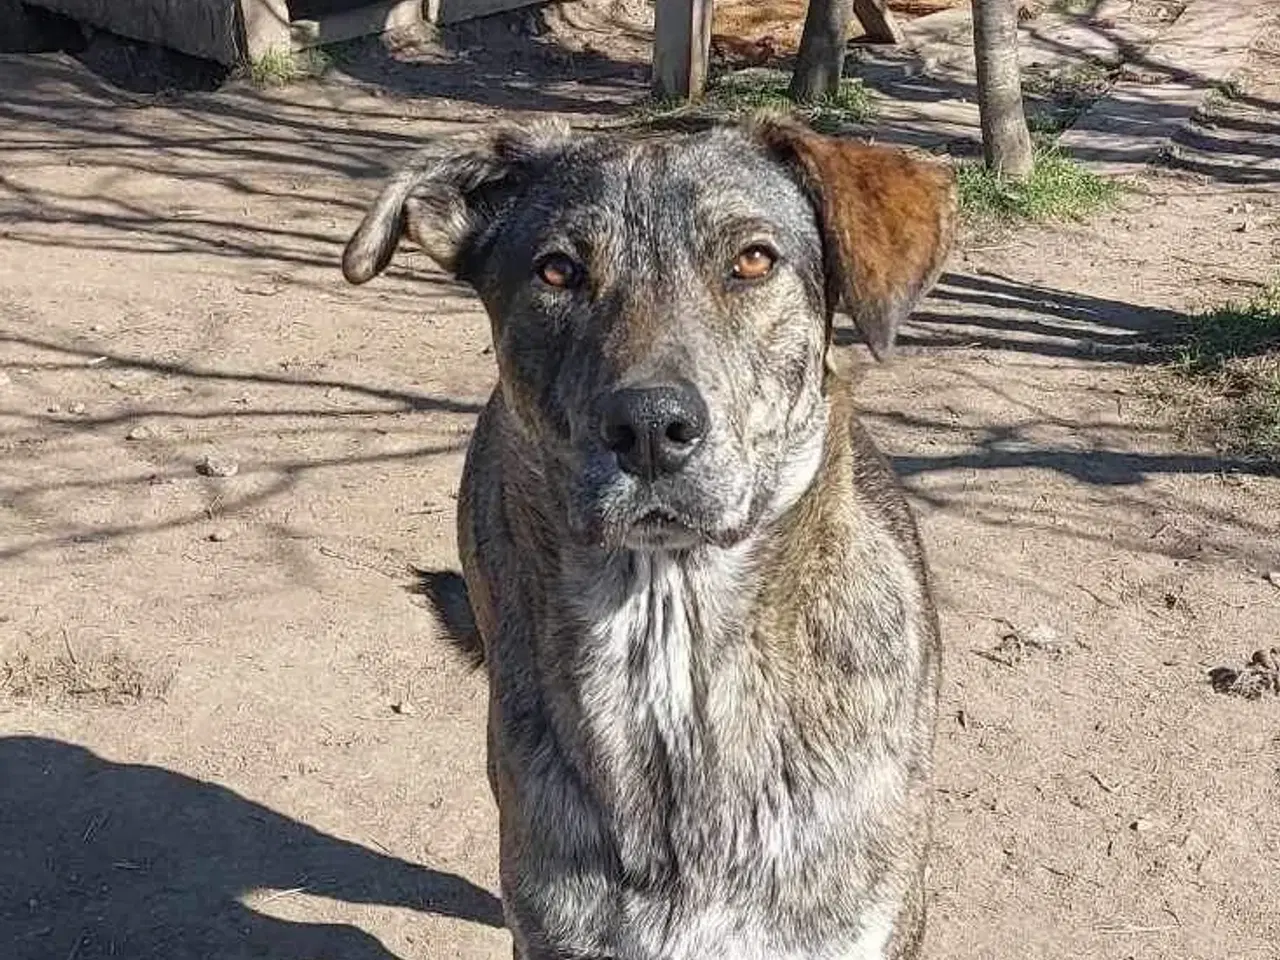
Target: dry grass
{"points": [[51, 669]]}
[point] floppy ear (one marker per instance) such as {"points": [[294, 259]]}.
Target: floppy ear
{"points": [[443, 201], [888, 221]]}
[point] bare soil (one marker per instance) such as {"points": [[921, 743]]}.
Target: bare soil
{"points": [[231, 724]]}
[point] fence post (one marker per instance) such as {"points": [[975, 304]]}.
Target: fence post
{"points": [[681, 48], [266, 27], [877, 21]]}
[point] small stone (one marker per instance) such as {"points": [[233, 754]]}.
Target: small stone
{"points": [[217, 465], [76, 408], [139, 432], [1272, 577], [221, 535], [403, 709], [1141, 825], [53, 408], [95, 328]]}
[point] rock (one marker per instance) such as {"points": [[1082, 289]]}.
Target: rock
{"points": [[221, 535], [1141, 825], [1272, 577], [76, 408], [217, 465], [140, 432], [1043, 637]]}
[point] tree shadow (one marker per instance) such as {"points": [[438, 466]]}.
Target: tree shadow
{"points": [[103, 859], [330, 412], [995, 312]]}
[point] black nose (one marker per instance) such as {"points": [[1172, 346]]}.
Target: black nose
{"points": [[654, 429]]}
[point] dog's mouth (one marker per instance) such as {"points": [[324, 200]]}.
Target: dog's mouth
{"points": [[660, 529]]}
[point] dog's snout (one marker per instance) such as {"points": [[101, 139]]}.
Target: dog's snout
{"points": [[655, 429]]}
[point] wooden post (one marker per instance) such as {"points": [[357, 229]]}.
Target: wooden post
{"points": [[266, 27], [681, 48], [877, 21]]}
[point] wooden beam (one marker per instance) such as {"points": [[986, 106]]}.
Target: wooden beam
{"points": [[365, 21], [681, 48], [877, 21]]}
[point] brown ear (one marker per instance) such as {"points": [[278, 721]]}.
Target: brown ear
{"points": [[442, 199], [888, 221]]}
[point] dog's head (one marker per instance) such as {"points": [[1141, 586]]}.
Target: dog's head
{"points": [[661, 307]]}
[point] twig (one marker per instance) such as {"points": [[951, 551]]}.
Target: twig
{"points": [[994, 658], [1124, 931], [94, 826], [66, 642], [1101, 600], [280, 895], [1102, 783]]}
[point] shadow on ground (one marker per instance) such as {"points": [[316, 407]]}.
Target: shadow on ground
{"points": [[1000, 313], [102, 859]]}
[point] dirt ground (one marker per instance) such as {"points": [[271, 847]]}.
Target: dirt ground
{"points": [[230, 725]]}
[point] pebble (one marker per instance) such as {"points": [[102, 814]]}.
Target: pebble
{"points": [[217, 465], [139, 433], [76, 408], [220, 535], [1272, 577]]}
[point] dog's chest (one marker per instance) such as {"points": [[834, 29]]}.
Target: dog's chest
{"points": [[646, 639]]}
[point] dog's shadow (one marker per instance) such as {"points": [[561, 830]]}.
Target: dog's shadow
{"points": [[446, 592]]}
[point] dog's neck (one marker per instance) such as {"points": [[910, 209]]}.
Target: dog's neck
{"points": [[657, 646]]}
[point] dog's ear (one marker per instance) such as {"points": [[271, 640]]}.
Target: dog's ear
{"points": [[888, 221], [442, 201]]}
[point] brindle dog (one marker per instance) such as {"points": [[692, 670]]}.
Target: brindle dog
{"points": [[711, 650]]}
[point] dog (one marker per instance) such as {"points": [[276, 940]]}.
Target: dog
{"points": [[712, 654]]}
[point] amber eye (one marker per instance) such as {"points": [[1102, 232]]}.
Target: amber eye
{"points": [[754, 262], [557, 270]]}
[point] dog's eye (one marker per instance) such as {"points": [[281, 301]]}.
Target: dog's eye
{"points": [[557, 270], [754, 262]]}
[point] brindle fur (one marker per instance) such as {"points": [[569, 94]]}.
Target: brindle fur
{"points": [[709, 737]]}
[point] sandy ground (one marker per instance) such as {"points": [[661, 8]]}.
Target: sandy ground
{"points": [[229, 723]]}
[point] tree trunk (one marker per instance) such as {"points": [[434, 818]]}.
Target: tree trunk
{"points": [[1006, 142], [822, 45]]}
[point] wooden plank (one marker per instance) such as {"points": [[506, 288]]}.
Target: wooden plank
{"points": [[681, 48], [877, 21], [373, 18], [444, 12]]}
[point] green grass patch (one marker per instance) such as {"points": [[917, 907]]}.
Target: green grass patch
{"points": [[1057, 189], [736, 95], [278, 68], [1230, 360]]}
